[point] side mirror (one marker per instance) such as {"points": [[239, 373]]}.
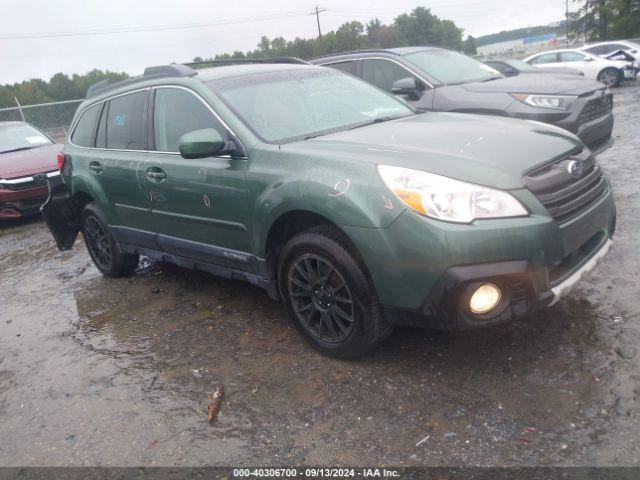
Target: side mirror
{"points": [[588, 59], [201, 143], [405, 86]]}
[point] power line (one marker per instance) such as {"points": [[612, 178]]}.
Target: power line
{"points": [[274, 16]]}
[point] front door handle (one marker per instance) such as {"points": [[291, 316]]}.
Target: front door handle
{"points": [[156, 174], [96, 167]]}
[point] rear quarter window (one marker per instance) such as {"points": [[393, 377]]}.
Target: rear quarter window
{"points": [[83, 133]]}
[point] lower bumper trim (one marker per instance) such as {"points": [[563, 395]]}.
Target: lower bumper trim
{"points": [[563, 288]]}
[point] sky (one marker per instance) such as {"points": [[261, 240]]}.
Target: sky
{"points": [[39, 38]]}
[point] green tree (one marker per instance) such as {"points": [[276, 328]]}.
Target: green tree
{"points": [[349, 36], [419, 27], [61, 87], [469, 46], [607, 19]]}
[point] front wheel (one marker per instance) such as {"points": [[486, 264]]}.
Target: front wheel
{"points": [[102, 247], [611, 77], [328, 294]]}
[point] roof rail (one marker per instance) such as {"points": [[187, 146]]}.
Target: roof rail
{"points": [[160, 71], [350, 52], [236, 61], [391, 51]]}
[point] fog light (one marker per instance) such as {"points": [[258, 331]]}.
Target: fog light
{"points": [[485, 298]]}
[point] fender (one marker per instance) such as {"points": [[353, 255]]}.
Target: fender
{"points": [[353, 197]]}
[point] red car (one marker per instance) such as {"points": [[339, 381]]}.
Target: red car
{"points": [[27, 157]]}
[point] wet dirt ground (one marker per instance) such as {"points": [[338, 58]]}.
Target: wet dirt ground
{"points": [[95, 371]]}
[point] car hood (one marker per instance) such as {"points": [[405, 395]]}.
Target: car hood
{"points": [[534, 83], [28, 162], [481, 149]]}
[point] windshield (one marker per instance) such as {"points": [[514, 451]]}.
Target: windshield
{"points": [[20, 137], [452, 67], [296, 104]]}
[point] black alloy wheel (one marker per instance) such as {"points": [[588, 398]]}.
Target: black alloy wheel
{"points": [[321, 298], [98, 242]]}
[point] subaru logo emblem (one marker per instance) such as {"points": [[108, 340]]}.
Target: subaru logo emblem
{"points": [[575, 169]]}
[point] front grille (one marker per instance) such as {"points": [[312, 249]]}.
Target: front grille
{"points": [[595, 108], [25, 183], [561, 193]]}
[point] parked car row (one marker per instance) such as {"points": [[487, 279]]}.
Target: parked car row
{"points": [[436, 79], [428, 78], [341, 197]]}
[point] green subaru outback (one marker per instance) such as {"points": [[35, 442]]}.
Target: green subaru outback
{"points": [[337, 198]]}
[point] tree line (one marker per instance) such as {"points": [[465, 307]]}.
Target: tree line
{"points": [[59, 87], [418, 27]]}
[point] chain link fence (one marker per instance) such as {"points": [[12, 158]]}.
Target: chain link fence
{"points": [[53, 118]]}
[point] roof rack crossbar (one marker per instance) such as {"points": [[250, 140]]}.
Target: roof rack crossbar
{"points": [[179, 70], [160, 71]]}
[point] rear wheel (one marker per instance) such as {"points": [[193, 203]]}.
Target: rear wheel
{"points": [[328, 294], [102, 247], [611, 77]]}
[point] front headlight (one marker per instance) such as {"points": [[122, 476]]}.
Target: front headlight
{"points": [[559, 102], [447, 199]]}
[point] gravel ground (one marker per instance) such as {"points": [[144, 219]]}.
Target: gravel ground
{"points": [[118, 372]]}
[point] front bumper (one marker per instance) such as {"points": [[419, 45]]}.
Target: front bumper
{"points": [[23, 196], [424, 270], [595, 132]]}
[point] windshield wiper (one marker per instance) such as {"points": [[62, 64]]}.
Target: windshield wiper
{"points": [[17, 149], [495, 77], [362, 124], [376, 120]]}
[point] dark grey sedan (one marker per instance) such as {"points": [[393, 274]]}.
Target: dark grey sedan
{"points": [[437, 79]]}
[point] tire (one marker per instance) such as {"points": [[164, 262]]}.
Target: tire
{"points": [[328, 294], [102, 247], [611, 77]]}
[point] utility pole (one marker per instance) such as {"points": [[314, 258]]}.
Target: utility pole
{"points": [[317, 14], [567, 19]]}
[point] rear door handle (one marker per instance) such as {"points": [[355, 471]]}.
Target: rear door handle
{"points": [[96, 167], [156, 174]]}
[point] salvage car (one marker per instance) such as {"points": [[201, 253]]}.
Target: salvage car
{"points": [[335, 197], [605, 49], [609, 72], [510, 67], [437, 79], [27, 157], [624, 50]]}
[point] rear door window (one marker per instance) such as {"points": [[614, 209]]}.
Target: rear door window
{"points": [[571, 57], [126, 125], [83, 133], [346, 67], [382, 73], [177, 112], [546, 58]]}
